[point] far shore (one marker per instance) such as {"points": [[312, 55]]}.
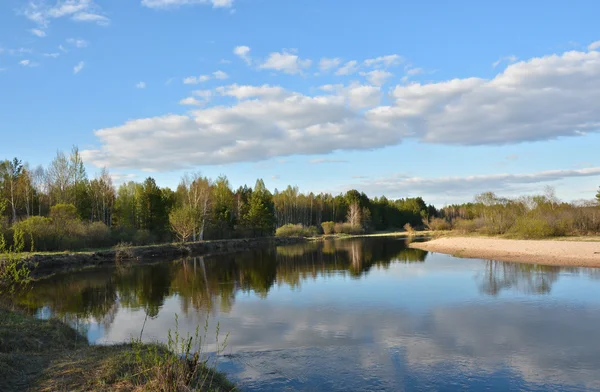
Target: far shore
{"points": [[567, 253]]}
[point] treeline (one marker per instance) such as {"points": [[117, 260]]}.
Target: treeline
{"points": [[537, 216], [59, 207]]}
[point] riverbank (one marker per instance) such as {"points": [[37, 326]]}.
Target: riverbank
{"points": [[47, 355], [46, 264], [568, 253]]}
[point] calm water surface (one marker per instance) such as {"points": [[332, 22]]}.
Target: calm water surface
{"points": [[356, 314]]}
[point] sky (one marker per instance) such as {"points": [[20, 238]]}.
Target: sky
{"points": [[437, 99]]}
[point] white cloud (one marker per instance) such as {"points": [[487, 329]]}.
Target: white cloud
{"points": [[53, 55], [329, 63], [191, 101], [594, 45], [28, 63], [246, 92], [41, 13], [38, 32], [119, 178], [540, 99], [203, 97], [141, 85], [78, 43], [348, 69], [384, 61], [179, 3], [90, 17], [414, 71], [285, 62], [358, 96], [325, 160], [220, 75], [243, 52], [196, 79], [78, 67], [399, 185], [62, 49], [510, 59], [377, 77]]}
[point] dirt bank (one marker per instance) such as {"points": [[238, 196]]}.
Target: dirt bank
{"points": [[548, 252], [47, 264]]}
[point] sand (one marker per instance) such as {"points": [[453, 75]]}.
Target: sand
{"points": [[548, 252]]}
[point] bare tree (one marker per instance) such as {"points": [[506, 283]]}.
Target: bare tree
{"points": [[354, 214], [197, 194], [11, 171]]}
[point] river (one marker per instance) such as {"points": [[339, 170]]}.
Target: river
{"points": [[351, 315]]}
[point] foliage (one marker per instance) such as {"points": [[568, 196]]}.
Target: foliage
{"points": [[409, 229], [348, 228], [537, 216], [14, 270], [183, 222], [328, 227], [297, 230], [438, 224]]}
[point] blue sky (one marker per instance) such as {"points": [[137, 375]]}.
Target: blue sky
{"points": [[438, 99]]}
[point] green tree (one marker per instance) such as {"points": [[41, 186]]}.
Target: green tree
{"points": [[184, 222], [598, 195], [223, 219], [261, 216]]}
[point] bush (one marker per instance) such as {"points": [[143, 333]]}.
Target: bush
{"points": [[348, 228], [39, 233], [439, 224], [98, 235], [409, 229], [540, 227], [528, 227], [328, 227], [467, 225], [298, 230]]}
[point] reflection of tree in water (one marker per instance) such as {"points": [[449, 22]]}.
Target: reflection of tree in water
{"points": [[523, 278], [210, 283]]}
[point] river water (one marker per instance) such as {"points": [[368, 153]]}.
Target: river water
{"points": [[351, 315]]}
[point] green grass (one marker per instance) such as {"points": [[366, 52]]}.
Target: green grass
{"points": [[51, 356]]}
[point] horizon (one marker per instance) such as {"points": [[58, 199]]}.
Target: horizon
{"points": [[431, 102]]}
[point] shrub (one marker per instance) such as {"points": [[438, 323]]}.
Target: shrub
{"points": [[530, 227], [298, 230], [467, 225], [39, 233], [98, 235], [328, 227], [348, 228], [409, 229], [439, 224]]}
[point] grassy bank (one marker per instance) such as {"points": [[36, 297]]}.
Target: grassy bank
{"points": [[51, 356]]}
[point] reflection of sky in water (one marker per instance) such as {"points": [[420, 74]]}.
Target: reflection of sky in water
{"points": [[444, 324]]}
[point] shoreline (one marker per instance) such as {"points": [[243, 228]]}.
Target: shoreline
{"points": [[44, 265], [547, 252]]}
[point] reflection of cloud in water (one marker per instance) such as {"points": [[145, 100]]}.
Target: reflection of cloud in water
{"points": [[353, 315], [534, 343]]}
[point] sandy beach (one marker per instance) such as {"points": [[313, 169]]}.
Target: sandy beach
{"points": [[549, 252]]}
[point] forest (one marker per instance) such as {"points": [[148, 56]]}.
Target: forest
{"points": [[59, 207]]}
